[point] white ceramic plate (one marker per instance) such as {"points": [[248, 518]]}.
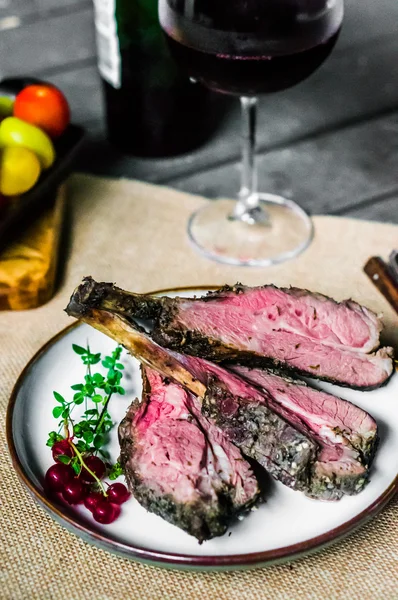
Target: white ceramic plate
{"points": [[285, 527]]}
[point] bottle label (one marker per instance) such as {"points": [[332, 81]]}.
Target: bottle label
{"points": [[109, 61]]}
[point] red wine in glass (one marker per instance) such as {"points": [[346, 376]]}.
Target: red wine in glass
{"points": [[250, 76], [246, 48]]}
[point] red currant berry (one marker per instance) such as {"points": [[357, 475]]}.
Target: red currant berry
{"points": [[105, 512], [62, 447], [117, 493], [95, 465], [74, 492], [92, 499], [58, 476]]}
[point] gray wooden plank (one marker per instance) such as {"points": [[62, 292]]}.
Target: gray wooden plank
{"points": [[16, 8], [82, 87], [47, 44], [325, 174], [34, 9], [70, 37], [363, 21], [354, 82], [42, 5], [351, 86], [385, 210], [54, 42], [368, 19]]}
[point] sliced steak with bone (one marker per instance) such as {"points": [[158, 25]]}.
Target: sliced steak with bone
{"points": [[253, 419], [302, 332]]}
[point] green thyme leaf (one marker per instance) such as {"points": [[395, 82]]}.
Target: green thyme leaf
{"points": [[75, 464], [99, 441], [78, 386], [57, 411], [90, 389], [53, 437], [97, 399], [79, 349], [115, 471], [63, 458], [82, 446], [59, 398], [88, 436]]}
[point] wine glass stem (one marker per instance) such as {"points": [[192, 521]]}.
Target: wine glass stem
{"points": [[249, 175], [247, 208]]}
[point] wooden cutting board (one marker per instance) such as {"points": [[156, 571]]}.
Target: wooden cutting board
{"points": [[28, 265]]}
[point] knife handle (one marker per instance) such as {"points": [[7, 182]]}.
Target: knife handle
{"points": [[378, 272]]}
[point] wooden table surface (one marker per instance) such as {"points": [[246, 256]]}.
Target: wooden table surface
{"points": [[331, 143]]}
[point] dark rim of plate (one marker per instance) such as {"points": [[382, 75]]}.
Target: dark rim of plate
{"points": [[145, 555]]}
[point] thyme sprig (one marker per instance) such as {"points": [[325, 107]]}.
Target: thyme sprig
{"points": [[90, 433]]}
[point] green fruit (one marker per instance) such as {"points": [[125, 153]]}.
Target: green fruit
{"points": [[16, 133], [6, 106]]}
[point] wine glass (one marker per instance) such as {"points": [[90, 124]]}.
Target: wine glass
{"points": [[246, 48]]}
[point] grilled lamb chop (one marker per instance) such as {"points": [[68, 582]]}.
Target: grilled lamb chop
{"points": [[180, 466], [253, 420], [293, 329], [236, 407]]}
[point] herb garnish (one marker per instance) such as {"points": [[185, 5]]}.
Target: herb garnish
{"points": [[78, 470], [92, 429]]}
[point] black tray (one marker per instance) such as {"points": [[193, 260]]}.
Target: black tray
{"points": [[24, 209]]}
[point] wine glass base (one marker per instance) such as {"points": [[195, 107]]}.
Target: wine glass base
{"points": [[216, 235]]}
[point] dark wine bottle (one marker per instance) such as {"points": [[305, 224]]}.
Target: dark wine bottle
{"points": [[152, 107]]}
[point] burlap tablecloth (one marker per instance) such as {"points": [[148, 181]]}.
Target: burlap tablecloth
{"points": [[135, 234]]}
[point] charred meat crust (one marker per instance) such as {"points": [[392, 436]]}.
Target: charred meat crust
{"points": [[107, 296], [239, 288], [351, 426], [365, 443], [287, 454], [333, 488]]}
